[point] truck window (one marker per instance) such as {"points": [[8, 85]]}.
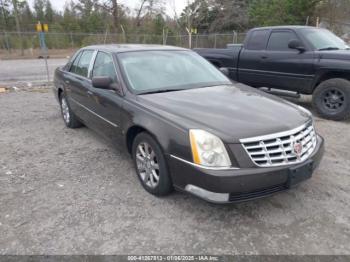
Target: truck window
{"points": [[279, 40], [257, 40]]}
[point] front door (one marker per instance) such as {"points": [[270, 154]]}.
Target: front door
{"points": [[106, 104], [287, 68]]}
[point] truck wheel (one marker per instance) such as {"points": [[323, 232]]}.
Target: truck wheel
{"points": [[331, 99]]}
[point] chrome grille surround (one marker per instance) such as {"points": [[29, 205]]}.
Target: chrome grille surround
{"points": [[278, 149]]}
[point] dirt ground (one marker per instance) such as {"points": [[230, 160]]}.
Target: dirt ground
{"points": [[68, 191]]}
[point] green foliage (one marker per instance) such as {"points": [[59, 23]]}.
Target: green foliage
{"points": [[281, 12], [39, 10]]}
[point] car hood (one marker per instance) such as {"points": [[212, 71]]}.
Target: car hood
{"points": [[232, 112], [335, 54]]}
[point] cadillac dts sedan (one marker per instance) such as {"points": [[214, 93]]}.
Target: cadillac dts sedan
{"points": [[185, 125]]}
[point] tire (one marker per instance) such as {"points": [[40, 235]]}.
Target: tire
{"points": [[154, 180], [331, 99], [68, 116]]}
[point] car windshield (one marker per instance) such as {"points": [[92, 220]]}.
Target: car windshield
{"points": [[163, 71], [322, 39]]}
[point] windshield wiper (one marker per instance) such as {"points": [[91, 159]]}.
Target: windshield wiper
{"points": [[159, 91], [328, 48]]}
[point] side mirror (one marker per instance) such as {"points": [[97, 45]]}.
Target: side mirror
{"points": [[225, 71], [296, 44], [102, 82]]}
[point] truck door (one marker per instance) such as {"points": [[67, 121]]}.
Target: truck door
{"points": [[252, 58], [286, 68]]}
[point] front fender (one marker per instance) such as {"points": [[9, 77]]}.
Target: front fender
{"points": [[172, 138]]}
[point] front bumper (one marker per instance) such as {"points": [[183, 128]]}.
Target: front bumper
{"points": [[235, 185]]}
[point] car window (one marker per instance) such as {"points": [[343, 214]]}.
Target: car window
{"points": [[257, 40], [161, 70], [82, 68], [104, 66], [73, 68], [279, 40]]}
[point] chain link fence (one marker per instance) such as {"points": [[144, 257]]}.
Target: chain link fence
{"points": [[26, 44]]}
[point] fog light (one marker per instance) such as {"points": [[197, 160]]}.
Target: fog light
{"points": [[211, 196]]}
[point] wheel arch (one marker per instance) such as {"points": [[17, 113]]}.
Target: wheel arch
{"points": [[59, 92], [132, 132], [331, 75]]}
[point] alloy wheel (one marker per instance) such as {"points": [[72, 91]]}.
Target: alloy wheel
{"points": [[147, 165], [65, 110], [333, 99]]}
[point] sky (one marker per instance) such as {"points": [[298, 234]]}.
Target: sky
{"points": [[132, 4]]}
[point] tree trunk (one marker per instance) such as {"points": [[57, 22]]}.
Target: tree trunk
{"points": [[115, 15], [18, 25]]}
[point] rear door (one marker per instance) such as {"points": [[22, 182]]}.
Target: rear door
{"points": [[286, 68], [252, 58], [78, 83], [105, 104]]}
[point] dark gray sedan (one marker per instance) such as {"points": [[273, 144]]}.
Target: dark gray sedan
{"points": [[186, 125]]}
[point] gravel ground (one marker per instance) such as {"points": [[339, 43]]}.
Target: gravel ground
{"points": [[68, 191]]}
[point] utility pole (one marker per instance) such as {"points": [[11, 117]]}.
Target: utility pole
{"points": [[18, 25]]}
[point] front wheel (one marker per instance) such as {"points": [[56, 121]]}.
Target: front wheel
{"points": [[331, 99], [151, 166]]}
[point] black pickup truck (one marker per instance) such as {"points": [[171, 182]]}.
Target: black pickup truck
{"points": [[301, 59]]}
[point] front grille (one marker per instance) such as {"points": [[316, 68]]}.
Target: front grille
{"points": [[280, 148]]}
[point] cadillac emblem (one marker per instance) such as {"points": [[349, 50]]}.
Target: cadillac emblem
{"points": [[297, 148]]}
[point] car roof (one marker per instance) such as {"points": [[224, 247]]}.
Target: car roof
{"points": [[295, 27], [121, 48]]}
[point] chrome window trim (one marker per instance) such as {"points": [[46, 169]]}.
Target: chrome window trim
{"points": [[89, 68], [112, 58], [92, 112], [92, 62], [204, 167], [274, 135]]}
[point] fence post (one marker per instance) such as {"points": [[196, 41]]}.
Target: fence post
{"points": [[235, 37], [71, 39], [7, 43]]}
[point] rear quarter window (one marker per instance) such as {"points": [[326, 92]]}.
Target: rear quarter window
{"points": [[258, 40]]}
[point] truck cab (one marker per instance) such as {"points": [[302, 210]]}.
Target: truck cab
{"points": [[299, 59]]}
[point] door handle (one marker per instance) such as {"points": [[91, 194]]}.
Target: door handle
{"points": [[67, 82], [264, 57], [89, 93]]}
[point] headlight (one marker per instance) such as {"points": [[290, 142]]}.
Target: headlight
{"points": [[208, 150]]}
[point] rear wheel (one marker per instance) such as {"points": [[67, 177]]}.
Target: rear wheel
{"points": [[68, 116], [151, 166], [331, 99]]}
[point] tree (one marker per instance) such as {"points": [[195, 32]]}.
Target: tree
{"points": [[49, 12], [281, 12], [148, 8], [334, 14], [18, 24], [39, 9]]}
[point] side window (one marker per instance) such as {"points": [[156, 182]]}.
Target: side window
{"points": [[104, 66], [257, 40], [82, 68], [279, 40], [75, 62]]}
